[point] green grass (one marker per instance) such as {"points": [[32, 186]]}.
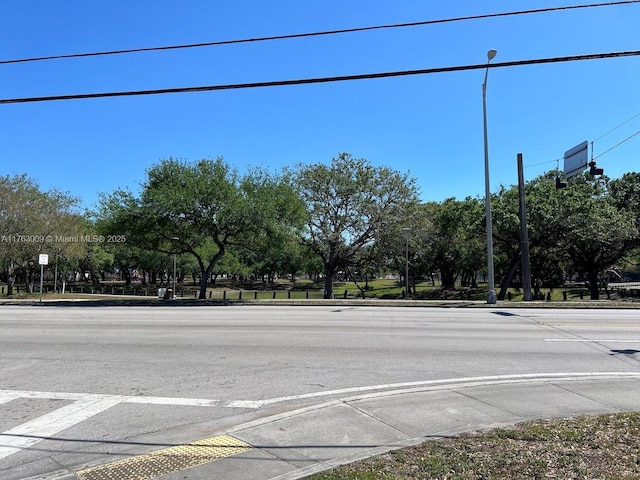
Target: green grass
{"points": [[603, 447], [379, 288]]}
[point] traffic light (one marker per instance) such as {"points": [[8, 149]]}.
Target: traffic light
{"points": [[593, 170], [560, 184]]}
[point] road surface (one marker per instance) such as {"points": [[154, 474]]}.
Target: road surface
{"points": [[81, 385]]}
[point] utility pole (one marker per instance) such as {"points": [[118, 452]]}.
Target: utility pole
{"points": [[524, 235], [406, 231]]}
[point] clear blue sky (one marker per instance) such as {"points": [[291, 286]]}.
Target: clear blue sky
{"points": [[428, 125]]}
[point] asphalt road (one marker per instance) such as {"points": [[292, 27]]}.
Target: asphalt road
{"points": [[85, 383]]}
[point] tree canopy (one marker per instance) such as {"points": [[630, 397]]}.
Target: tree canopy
{"points": [[202, 209], [33, 221], [349, 202], [345, 217]]}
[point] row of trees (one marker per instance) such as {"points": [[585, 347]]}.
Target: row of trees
{"points": [[347, 216], [29, 221]]}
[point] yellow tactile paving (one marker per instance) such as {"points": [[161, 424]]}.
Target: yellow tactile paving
{"points": [[151, 465]]}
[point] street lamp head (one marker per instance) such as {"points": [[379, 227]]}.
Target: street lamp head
{"points": [[491, 54]]}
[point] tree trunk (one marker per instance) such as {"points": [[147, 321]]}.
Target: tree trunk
{"points": [[29, 282], [206, 274], [448, 279], [329, 271], [127, 276], [204, 277], [11, 280], [506, 281]]}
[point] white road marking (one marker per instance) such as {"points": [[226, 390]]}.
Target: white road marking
{"points": [[491, 379], [30, 433], [580, 340], [181, 402], [87, 405], [8, 397]]}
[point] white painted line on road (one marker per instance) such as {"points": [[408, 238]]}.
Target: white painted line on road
{"points": [[38, 429], [179, 402], [256, 404], [85, 406], [83, 397], [8, 397], [429, 383], [74, 397], [580, 340]]}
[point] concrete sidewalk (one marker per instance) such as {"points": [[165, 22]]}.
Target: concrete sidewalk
{"points": [[310, 440]]}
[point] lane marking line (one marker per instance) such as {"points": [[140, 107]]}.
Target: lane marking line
{"points": [[168, 460], [580, 340], [592, 324], [81, 397], [86, 406], [255, 404]]}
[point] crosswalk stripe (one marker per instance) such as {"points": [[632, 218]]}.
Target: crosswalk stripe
{"points": [[45, 426], [8, 397]]}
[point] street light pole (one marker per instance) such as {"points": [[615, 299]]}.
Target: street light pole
{"points": [[491, 298], [173, 295], [406, 264]]}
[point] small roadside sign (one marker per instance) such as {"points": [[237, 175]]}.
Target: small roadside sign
{"points": [[43, 259]]}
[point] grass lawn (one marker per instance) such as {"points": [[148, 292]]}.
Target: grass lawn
{"points": [[603, 447], [303, 289]]}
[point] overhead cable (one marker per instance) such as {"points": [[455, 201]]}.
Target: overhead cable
{"points": [[616, 128], [327, 32], [617, 145], [599, 138], [307, 81]]}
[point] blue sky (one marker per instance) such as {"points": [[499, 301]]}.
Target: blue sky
{"points": [[427, 125]]}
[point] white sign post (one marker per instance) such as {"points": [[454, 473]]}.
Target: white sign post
{"points": [[43, 259]]}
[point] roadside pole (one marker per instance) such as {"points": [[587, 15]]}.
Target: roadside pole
{"points": [[524, 235], [43, 259]]}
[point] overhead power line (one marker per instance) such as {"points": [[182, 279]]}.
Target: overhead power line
{"points": [[307, 81], [327, 32], [557, 160], [617, 145], [616, 128]]}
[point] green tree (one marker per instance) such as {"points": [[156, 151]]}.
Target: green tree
{"points": [[545, 226], [580, 227], [31, 222], [597, 234], [625, 192], [408, 234], [348, 203], [202, 209], [455, 246]]}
